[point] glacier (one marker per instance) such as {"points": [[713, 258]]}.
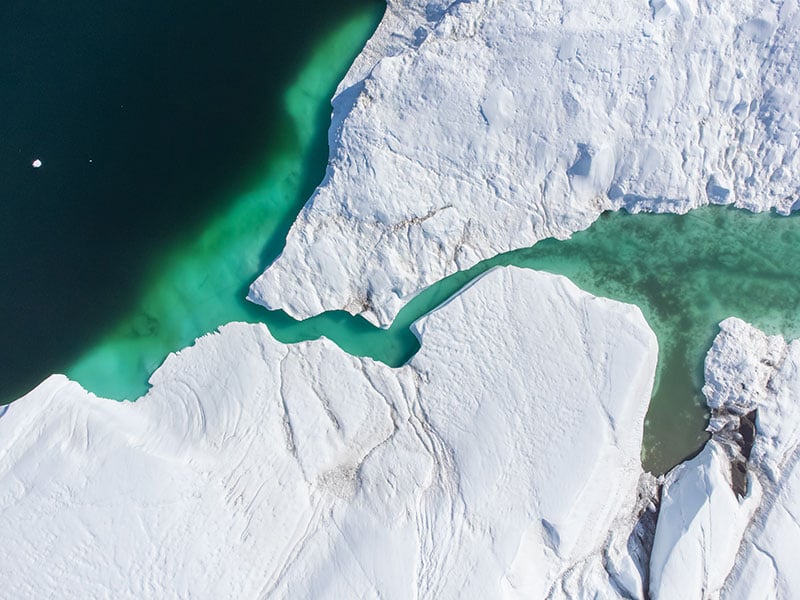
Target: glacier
{"points": [[468, 129]]}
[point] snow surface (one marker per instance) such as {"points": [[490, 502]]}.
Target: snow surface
{"points": [[466, 129], [502, 461], [495, 464], [700, 527]]}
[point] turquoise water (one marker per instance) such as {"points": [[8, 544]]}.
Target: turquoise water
{"points": [[687, 273]]}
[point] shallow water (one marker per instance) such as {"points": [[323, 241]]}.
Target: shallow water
{"points": [[686, 273]]}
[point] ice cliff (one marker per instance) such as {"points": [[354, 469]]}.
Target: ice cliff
{"points": [[466, 129]]}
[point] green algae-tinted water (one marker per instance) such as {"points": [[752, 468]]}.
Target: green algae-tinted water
{"points": [[686, 272]]}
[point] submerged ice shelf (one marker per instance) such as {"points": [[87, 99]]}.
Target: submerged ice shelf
{"points": [[200, 285]]}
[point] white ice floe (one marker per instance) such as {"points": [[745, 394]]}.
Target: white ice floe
{"points": [[36, 163], [494, 464], [700, 527], [466, 129]]}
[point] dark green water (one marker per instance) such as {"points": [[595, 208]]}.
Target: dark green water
{"points": [[687, 273], [179, 106]]}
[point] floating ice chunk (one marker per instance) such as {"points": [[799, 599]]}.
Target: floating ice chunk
{"points": [[36, 163], [700, 526]]}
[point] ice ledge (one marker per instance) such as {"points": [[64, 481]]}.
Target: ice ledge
{"points": [[466, 129]]}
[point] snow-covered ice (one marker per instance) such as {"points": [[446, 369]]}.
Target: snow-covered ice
{"points": [[700, 527], [466, 129], [494, 464], [503, 460]]}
